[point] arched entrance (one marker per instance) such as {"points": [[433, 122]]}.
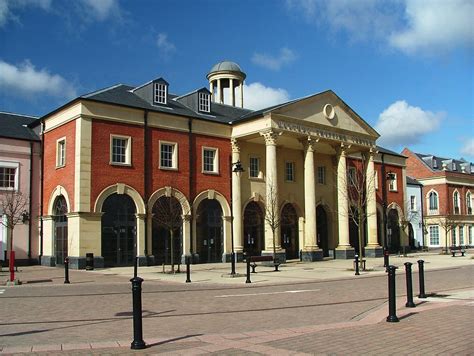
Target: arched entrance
{"points": [[60, 230], [253, 229], [411, 237], [118, 230], [289, 231], [210, 242], [167, 236], [322, 230], [393, 231]]}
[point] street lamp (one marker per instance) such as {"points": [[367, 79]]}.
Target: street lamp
{"points": [[235, 167], [387, 177]]}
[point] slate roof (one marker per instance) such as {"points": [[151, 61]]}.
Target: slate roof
{"points": [[438, 164], [15, 126], [389, 152], [413, 181], [122, 95]]}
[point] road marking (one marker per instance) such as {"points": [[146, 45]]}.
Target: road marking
{"points": [[267, 293], [1, 291]]}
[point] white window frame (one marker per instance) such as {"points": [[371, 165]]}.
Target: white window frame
{"points": [[469, 235], [456, 202], [204, 102], [60, 154], [16, 166], [289, 171], [160, 93], [174, 155], [215, 163], [433, 211], [259, 168], [454, 240], [461, 235], [430, 230], [468, 203], [393, 183], [321, 178], [413, 203], [128, 150]]}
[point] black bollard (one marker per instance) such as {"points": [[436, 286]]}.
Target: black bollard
{"points": [[409, 303], [386, 259], [188, 269], [248, 270], [137, 343], [66, 271], [232, 263], [356, 262], [421, 276], [135, 268], [392, 303]]}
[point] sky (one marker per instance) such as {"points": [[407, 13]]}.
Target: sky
{"points": [[405, 66]]}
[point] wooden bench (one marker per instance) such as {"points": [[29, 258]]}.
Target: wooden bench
{"points": [[457, 249], [254, 259]]}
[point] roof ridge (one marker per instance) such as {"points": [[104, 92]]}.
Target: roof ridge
{"points": [[102, 90], [16, 114]]}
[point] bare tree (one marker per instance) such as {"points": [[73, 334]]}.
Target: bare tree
{"points": [[448, 224], [168, 212], [360, 187], [272, 213], [410, 217], [13, 206]]}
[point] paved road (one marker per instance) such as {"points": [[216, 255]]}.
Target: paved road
{"points": [[309, 317]]}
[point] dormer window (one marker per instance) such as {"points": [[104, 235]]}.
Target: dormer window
{"points": [[160, 93], [454, 166], [204, 102], [435, 163]]}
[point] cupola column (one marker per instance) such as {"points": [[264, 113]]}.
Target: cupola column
{"points": [[211, 89], [232, 91], [219, 92], [241, 87]]}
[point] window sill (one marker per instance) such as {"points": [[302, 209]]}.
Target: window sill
{"points": [[118, 164], [211, 173], [256, 179], [168, 168], [62, 166]]}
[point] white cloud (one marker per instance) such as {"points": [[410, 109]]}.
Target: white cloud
{"points": [[285, 56], [411, 26], [258, 96], [468, 148], [435, 26], [164, 45], [101, 9], [26, 79], [7, 8], [404, 125]]}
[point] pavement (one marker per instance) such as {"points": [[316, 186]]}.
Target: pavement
{"points": [[440, 324]]}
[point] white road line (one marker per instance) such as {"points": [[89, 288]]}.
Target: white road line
{"points": [[268, 293], [1, 291]]}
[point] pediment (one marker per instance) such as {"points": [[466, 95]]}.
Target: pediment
{"points": [[328, 111]]}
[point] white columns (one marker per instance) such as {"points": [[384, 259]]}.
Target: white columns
{"points": [[186, 235], [236, 201], [310, 229], [371, 202], [232, 91], [140, 234], [342, 201], [271, 190], [220, 96], [211, 89], [241, 87]]}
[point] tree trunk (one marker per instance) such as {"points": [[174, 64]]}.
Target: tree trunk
{"points": [[361, 236], [274, 247]]}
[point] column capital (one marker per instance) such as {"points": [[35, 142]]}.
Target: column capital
{"points": [[342, 149], [235, 145], [309, 143], [270, 137]]}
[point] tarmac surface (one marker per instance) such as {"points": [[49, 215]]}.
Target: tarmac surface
{"points": [[306, 308]]}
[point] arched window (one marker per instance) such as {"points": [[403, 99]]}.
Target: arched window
{"points": [[433, 202], [456, 202], [469, 203]]}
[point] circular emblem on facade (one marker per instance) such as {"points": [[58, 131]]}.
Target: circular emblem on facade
{"points": [[328, 111]]}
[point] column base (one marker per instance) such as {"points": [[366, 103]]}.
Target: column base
{"points": [[312, 256], [280, 256], [48, 261], [80, 262], [226, 256], [142, 261], [345, 253], [150, 260], [373, 251]]}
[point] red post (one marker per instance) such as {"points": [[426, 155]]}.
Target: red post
{"points": [[12, 266]]}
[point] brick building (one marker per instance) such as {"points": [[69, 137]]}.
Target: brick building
{"points": [[448, 193], [117, 161]]}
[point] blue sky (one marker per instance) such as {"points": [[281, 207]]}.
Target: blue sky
{"points": [[405, 66]]}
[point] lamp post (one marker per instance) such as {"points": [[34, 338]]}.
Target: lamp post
{"points": [[385, 177], [234, 167]]}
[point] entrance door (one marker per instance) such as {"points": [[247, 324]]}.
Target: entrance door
{"points": [[253, 229], [60, 230], [289, 232], [210, 243], [118, 230], [393, 231], [322, 230]]}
